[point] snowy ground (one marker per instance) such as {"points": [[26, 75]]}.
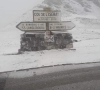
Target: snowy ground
{"points": [[87, 50]]}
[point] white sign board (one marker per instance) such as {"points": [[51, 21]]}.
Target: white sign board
{"points": [[30, 26], [66, 25], [46, 16]]}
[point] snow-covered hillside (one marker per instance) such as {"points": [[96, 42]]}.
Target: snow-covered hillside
{"points": [[79, 7], [83, 13], [69, 9]]}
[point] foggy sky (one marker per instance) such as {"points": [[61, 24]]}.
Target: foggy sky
{"points": [[10, 10]]}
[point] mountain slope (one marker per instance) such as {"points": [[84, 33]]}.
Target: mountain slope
{"points": [[69, 8], [80, 7]]}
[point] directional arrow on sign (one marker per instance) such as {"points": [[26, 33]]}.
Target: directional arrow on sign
{"points": [[31, 26], [65, 25]]}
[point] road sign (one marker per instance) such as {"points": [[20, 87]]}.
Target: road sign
{"points": [[31, 26], [48, 37], [66, 25], [46, 16]]}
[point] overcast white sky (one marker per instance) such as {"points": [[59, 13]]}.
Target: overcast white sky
{"points": [[10, 10]]}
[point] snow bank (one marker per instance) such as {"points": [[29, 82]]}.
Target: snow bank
{"points": [[86, 51]]}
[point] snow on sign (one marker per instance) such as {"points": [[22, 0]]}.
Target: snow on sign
{"points": [[66, 25], [46, 16], [30, 26]]}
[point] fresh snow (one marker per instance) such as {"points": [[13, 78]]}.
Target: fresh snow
{"points": [[87, 50]]}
